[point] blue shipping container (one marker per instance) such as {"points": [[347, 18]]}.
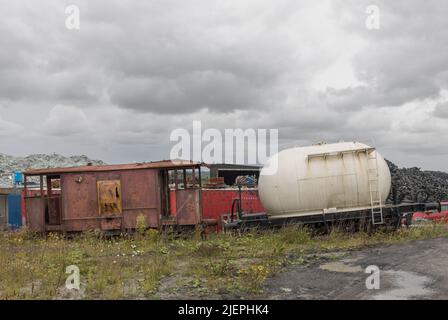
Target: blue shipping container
{"points": [[14, 211]]}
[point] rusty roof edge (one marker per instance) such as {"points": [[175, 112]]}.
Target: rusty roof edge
{"points": [[233, 165], [161, 164]]}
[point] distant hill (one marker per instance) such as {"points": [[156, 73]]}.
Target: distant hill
{"points": [[9, 164], [411, 184]]}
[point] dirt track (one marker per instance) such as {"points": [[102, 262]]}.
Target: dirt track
{"points": [[416, 270]]}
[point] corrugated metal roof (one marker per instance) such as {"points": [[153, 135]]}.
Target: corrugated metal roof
{"points": [[164, 164]]}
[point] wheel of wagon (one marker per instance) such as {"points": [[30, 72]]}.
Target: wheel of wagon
{"points": [[365, 225], [337, 225], [351, 226], [362, 224]]}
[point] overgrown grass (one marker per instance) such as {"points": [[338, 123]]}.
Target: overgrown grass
{"points": [[130, 267]]}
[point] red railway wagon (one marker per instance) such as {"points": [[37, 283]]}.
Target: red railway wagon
{"points": [[218, 202], [112, 197], [32, 193]]}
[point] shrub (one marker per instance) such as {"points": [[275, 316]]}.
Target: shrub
{"points": [[141, 224], [295, 234], [254, 276]]}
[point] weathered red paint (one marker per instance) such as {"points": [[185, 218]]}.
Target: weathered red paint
{"points": [[217, 202], [76, 207], [31, 193], [187, 205]]}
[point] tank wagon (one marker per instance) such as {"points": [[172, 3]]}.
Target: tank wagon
{"points": [[324, 183]]}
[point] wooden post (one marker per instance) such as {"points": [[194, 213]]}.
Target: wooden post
{"points": [[49, 187], [24, 217], [61, 216], [200, 195], [167, 191], [42, 202], [175, 179]]}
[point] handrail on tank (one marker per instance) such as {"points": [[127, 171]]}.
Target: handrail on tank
{"points": [[339, 153]]}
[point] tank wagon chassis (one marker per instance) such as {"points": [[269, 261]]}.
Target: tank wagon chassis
{"points": [[393, 217]]}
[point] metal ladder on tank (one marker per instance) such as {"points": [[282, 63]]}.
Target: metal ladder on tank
{"points": [[374, 190]]}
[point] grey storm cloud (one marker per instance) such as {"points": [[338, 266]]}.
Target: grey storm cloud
{"points": [[212, 90], [441, 110], [136, 70], [403, 61]]}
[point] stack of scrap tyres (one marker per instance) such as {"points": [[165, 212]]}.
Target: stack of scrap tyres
{"points": [[416, 185]]}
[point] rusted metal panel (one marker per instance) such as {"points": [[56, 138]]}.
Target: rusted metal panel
{"points": [[79, 201], [141, 195], [82, 225], [109, 197], [54, 214], [217, 202], [111, 223], [34, 214], [188, 206]]}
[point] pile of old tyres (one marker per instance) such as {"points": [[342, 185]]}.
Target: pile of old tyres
{"points": [[416, 185]]}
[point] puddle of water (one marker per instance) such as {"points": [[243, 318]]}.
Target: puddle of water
{"points": [[340, 267], [408, 285]]}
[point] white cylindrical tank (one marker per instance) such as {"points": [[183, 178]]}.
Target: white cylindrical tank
{"points": [[322, 178]]}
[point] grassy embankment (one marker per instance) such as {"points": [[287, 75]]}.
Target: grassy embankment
{"points": [[153, 266]]}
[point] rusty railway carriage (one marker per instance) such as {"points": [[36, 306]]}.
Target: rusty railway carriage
{"points": [[112, 197]]}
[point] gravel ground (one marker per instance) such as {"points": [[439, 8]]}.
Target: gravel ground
{"points": [[416, 270]]}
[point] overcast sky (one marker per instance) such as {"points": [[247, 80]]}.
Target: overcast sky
{"points": [[136, 70]]}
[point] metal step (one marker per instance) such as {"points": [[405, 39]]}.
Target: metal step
{"points": [[375, 194], [377, 218]]}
